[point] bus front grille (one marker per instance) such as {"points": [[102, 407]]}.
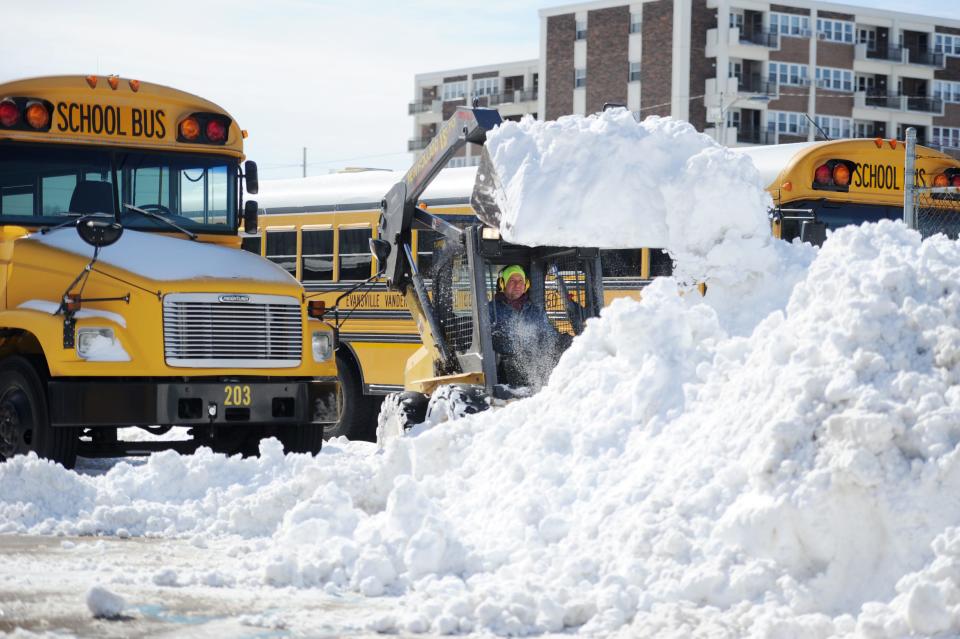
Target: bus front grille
{"points": [[226, 330]]}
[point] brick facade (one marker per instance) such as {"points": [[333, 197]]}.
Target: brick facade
{"points": [[701, 67], [834, 54], [796, 50], [561, 31], [791, 99], [608, 38], [833, 103], [657, 55]]}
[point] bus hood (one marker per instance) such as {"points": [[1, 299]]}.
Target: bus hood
{"points": [[166, 259]]}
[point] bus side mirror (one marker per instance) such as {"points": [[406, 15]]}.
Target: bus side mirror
{"points": [[814, 233], [99, 230], [380, 249], [250, 175], [250, 217]]}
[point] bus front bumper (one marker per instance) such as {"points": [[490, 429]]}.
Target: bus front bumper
{"points": [[103, 403]]}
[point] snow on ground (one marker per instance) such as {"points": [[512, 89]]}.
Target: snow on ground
{"points": [[776, 459]]}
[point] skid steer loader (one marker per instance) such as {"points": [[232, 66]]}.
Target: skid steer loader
{"points": [[458, 369]]}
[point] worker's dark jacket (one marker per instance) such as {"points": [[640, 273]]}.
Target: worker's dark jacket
{"points": [[524, 338]]}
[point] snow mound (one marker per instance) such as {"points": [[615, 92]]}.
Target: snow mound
{"points": [[778, 458], [104, 604]]}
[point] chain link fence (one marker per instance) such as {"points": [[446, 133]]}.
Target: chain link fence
{"points": [[929, 209]]}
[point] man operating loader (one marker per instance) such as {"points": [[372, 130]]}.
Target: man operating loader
{"points": [[527, 344]]}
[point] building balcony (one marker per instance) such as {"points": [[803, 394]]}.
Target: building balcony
{"points": [[527, 95], [417, 144], [756, 84], [755, 45], [419, 107], [875, 100], [886, 54], [926, 58], [767, 39], [925, 104], [756, 136]]}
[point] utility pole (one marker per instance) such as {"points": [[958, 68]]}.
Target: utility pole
{"points": [[304, 161]]}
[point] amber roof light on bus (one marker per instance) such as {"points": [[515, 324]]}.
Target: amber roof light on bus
{"points": [[38, 116], [9, 113], [189, 129], [941, 179], [841, 174]]}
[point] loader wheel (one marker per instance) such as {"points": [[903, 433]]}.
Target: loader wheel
{"points": [[24, 423], [399, 413], [453, 402], [357, 411]]}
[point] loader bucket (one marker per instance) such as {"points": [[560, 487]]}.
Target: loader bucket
{"points": [[487, 192]]}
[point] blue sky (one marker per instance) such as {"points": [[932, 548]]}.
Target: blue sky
{"points": [[334, 77]]}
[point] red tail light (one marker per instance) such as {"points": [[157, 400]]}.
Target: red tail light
{"points": [[823, 175], [9, 113], [216, 131], [955, 181]]}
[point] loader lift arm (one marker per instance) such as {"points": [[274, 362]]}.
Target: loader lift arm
{"points": [[400, 214]]}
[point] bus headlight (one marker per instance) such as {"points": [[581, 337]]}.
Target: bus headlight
{"points": [[322, 343], [100, 345]]}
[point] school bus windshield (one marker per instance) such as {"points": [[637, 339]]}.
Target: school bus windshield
{"points": [[40, 185]]}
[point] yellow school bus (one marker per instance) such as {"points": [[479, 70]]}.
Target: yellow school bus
{"points": [[318, 229], [126, 300], [827, 185]]}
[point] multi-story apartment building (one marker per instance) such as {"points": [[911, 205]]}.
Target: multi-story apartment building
{"points": [[512, 87], [756, 72]]}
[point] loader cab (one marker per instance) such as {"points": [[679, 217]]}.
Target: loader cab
{"points": [[565, 287]]}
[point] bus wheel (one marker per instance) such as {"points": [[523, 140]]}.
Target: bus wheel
{"points": [[24, 424], [398, 413], [356, 417], [301, 438]]}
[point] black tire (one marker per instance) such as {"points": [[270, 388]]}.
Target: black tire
{"points": [[357, 411], [399, 413], [302, 438], [24, 420]]}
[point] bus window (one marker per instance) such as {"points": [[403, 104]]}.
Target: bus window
{"points": [[425, 245], [56, 191], [621, 263], [354, 254], [203, 194], [282, 249], [661, 264], [16, 200], [251, 243], [317, 261]]}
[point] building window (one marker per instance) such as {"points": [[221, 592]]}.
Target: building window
{"points": [[486, 86], [733, 119], [316, 262], [282, 250], [634, 72], [579, 78], [581, 30], [785, 73], [947, 44], [833, 126], [790, 25], [867, 36], [354, 254], [454, 90], [636, 22], [945, 137], [787, 122], [835, 30], [864, 130], [946, 91], [736, 20], [835, 79]]}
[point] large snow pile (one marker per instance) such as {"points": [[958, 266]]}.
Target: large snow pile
{"points": [[793, 473]]}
